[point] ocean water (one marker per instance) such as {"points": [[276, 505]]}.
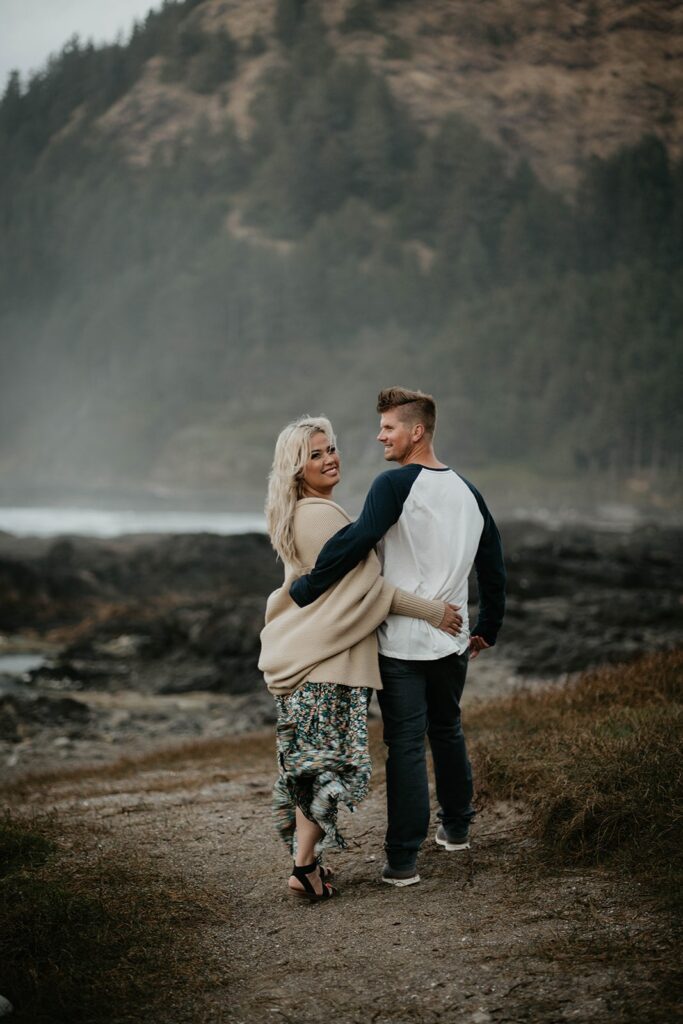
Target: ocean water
{"points": [[17, 664], [90, 522]]}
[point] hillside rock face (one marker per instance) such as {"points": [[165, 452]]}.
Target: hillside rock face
{"points": [[243, 196], [550, 82]]}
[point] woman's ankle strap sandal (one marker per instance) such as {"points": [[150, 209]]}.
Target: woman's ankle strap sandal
{"points": [[325, 873], [308, 892]]}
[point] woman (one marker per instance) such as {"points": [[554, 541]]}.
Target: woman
{"points": [[320, 662]]}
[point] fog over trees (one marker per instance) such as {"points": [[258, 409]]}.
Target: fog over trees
{"points": [[143, 340]]}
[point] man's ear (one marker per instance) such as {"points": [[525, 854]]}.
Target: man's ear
{"points": [[418, 431]]}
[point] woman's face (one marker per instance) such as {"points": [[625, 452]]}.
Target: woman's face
{"points": [[321, 472]]}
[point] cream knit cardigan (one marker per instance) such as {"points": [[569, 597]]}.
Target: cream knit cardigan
{"points": [[332, 640]]}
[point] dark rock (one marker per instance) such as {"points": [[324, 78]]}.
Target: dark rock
{"points": [[82, 673], [186, 679], [23, 712], [232, 629], [68, 580], [178, 614]]}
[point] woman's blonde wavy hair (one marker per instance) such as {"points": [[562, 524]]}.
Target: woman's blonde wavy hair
{"points": [[285, 482]]}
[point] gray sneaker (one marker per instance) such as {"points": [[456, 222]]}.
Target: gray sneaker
{"points": [[452, 842], [399, 876]]}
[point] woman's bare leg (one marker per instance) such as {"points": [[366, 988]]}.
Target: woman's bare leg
{"points": [[307, 835]]}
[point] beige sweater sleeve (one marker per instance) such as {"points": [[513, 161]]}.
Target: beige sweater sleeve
{"points": [[404, 603], [320, 522]]}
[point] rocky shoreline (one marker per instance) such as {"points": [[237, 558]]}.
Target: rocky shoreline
{"points": [[150, 640]]}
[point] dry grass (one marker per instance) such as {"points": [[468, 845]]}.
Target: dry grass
{"points": [[599, 763], [90, 934]]}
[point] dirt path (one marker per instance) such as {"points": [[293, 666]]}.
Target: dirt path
{"points": [[483, 938]]}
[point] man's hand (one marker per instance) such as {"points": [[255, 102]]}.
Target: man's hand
{"points": [[477, 645], [452, 620]]}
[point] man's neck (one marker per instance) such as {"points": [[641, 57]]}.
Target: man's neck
{"points": [[422, 455]]}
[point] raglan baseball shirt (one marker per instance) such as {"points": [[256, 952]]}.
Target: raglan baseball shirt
{"points": [[430, 526]]}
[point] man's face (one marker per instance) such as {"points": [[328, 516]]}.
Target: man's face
{"points": [[396, 436]]}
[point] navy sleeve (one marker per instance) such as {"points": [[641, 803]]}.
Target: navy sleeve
{"points": [[490, 570], [351, 544]]}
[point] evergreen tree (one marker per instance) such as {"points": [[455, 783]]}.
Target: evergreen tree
{"points": [[380, 146], [311, 53], [514, 246], [288, 17], [423, 198], [360, 17], [11, 107], [215, 64]]}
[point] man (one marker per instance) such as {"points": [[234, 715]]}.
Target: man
{"points": [[430, 526]]}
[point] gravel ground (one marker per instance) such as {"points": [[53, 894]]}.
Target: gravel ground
{"points": [[488, 935]]}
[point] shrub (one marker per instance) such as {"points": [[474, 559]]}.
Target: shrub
{"points": [[599, 762]]}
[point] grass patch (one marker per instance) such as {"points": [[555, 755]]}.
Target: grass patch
{"points": [[599, 763], [20, 848], [91, 934]]}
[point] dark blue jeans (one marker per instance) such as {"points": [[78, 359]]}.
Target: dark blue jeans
{"points": [[422, 698]]}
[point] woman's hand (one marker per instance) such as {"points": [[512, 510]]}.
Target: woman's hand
{"points": [[452, 620]]}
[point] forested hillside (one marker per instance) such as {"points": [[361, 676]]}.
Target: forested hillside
{"points": [[207, 230]]}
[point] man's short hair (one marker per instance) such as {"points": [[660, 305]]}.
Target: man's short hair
{"points": [[415, 406]]}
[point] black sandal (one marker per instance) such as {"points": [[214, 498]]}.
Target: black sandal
{"points": [[301, 874], [325, 873]]}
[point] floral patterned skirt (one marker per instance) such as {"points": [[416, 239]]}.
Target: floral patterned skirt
{"points": [[322, 750]]}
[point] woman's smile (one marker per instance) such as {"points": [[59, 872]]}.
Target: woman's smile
{"points": [[322, 469]]}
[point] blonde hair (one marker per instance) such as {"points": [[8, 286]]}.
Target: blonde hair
{"points": [[285, 481]]}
